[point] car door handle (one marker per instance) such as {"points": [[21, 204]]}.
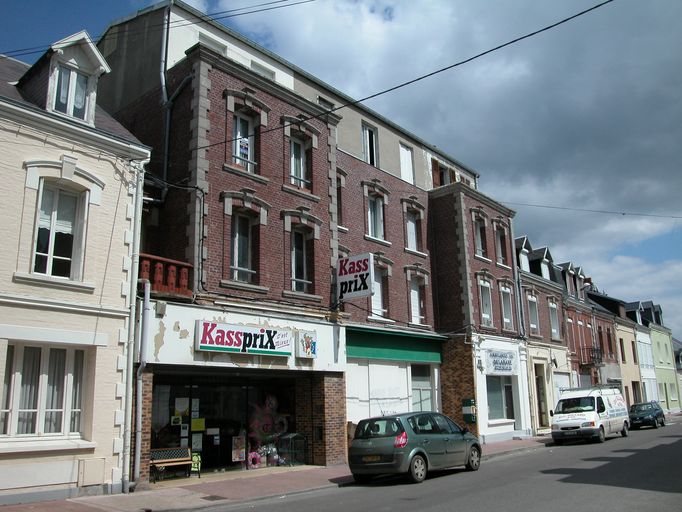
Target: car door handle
{"points": [[426, 441]]}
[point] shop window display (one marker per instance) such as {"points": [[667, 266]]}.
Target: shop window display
{"points": [[235, 423]]}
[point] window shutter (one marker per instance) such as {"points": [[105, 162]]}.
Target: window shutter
{"points": [[255, 253], [435, 173], [310, 263], [309, 167]]}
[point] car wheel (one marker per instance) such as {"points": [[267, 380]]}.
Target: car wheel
{"points": [[474, 460], [663, 421], [655, 423], [417, 471], [361, 479], [624, 432], [602, 436]]}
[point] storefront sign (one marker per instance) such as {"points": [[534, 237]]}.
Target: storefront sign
{"points": [[217, 337], [306, 348], [354, 276], [501, 362]]}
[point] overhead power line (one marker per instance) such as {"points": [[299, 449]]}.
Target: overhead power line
{"points": [[423, 77], [204, 18], [586, 210]]}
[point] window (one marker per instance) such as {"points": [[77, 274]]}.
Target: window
{"points": [[554, 320], [413, 228], [634, 352], [533, 315], [369, 145], [421, 387], [571, 334], [480, 238], [339, 201], [380, 293], [622, 350], [71, 95], [486, 303], [406, 166], [244, 236], [59, 235], [375, 216], [42, 392], [507, 313], [500, 397], [300, 170], [417, 301], [301, 261], [243, 143], [501, 245]]}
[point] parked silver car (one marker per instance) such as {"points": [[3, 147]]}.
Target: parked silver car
{"points": [[411, 443]]}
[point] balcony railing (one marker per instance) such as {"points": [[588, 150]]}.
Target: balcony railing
{"points": [[591, 356], [167, 277]]}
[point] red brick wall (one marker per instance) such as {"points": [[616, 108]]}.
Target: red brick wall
{"points": [[545, 327], [146, 433], [458, 379], [355, 219]]}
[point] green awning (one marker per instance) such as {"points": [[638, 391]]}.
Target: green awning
{"points": [[372, 343]]}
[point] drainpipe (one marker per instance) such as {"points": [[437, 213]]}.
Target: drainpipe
{"points": [[144, 328], [130, 342]]}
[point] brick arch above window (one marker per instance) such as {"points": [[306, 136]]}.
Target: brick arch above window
{"points": [[245, 100], [499, 222], [484, 274], [302, 217], [293, 126], [417, 270], [380, 260], [245, 199], [375, 187], [479, 213], [411, 203], [506, 282]]}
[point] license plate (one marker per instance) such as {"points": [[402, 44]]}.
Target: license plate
{"points": [[371, 458], [570, 433]]}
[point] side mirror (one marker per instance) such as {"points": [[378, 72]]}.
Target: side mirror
{"points": [[465, 430], [551, 412]]}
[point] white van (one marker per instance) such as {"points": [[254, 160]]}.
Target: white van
{"points": [[589, 413]]}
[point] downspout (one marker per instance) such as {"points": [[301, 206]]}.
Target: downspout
{"points": [[144, 328], [130, 342]]}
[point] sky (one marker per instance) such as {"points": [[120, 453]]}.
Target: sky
{"points": [[581, 119]]}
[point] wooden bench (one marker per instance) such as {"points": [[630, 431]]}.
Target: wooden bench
{"points": [[161, 458]]}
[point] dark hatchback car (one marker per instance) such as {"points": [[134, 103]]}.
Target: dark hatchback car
{"points": [[647, 413], [412, 444]]}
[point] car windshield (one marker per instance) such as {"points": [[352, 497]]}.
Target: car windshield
{"points": [[378, 427], [641, 408], [569, 405]]}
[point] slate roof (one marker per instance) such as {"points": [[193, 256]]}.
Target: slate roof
{"points": [[12, 70]]}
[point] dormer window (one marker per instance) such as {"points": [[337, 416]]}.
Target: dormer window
{"points": [[71, 92]]}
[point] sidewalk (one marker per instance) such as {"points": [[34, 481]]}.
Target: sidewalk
{"points": [[234, 487]]}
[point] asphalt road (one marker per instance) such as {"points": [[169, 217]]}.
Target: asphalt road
{"points": [[642, 472]]}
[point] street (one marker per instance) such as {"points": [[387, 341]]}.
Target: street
{"points": [[638, 473]]}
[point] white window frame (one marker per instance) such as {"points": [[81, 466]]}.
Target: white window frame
{"points": [[248, 163], [418, 313], [78, 230], [554, 320], [412, 231], [533, 307], [406, 163], [379, 309], [370, 145], [375, 216], [69, 105], [486, 316], [238, 270], [298, 169], [501, 248], [12, 409], [300, 283], [507, 308]]}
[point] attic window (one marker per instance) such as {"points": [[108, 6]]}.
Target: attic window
{"points": [[71, 95]]}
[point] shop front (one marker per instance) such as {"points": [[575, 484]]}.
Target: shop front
{"points": [[243, 391], [502, 393], [391, 371]]}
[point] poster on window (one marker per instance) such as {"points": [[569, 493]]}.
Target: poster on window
{"points": [[501, 362], [238, 448], [306, 348]]}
